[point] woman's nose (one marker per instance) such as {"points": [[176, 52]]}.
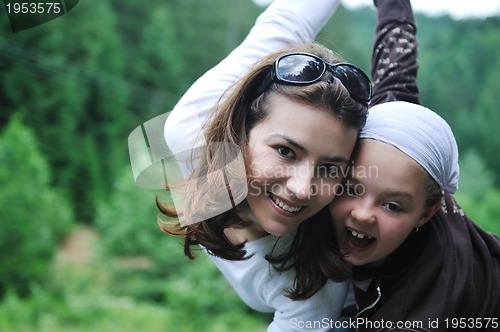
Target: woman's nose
{"points": [[299, 184]]}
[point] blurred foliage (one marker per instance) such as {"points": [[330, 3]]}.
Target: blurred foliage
{"points": [[80, 298], [477, 194], [127, 223], [34, 216], [459, 79]]}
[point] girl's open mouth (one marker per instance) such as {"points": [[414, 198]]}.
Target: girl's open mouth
{"points": [[358, 240]]}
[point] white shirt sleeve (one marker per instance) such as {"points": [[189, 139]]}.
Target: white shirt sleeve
{"points": [[261, 288], [283, 24]]}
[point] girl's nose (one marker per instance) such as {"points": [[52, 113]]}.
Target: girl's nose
{"points": [[362, 211]]}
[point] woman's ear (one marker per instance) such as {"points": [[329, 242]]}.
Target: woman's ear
{"points": [[428, 213]]}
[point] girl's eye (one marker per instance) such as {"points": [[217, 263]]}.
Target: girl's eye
{"points": [[393, 207], [285, 152]]}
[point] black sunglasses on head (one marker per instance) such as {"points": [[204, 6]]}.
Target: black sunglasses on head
{"points": [[298, 68]]}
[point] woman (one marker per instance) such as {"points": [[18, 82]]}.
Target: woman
{"points": [[265, 122]]}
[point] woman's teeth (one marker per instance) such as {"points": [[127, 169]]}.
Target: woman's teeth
{"points": [[284, 206]]}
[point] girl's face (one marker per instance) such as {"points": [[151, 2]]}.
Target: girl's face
{"points": [[382, 202], [297, 157]]}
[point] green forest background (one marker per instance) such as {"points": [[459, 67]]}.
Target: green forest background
{"points": [[80, 248]]}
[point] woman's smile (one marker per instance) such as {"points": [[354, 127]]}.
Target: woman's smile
{"points": [[285, 207]]}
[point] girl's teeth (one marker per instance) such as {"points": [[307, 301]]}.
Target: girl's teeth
{"points": [[358, 235]]}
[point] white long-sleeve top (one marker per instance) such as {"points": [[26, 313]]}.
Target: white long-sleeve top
{"points": [[261, 287], [283, 24]]}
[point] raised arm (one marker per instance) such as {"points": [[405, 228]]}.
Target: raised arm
{"points": [[284, 23], [394, 57]]}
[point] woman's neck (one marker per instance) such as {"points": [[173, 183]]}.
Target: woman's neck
{"points": [[248, 233]]}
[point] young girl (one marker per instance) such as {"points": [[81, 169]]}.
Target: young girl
{"points": [[419, 264], [260, 135]]}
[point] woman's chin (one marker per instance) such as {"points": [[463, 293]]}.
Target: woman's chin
{"points": [[278, 229]]}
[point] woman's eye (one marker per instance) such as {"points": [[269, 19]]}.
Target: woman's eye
{"points": [[285, 152], [349, 190], [393, 207]]}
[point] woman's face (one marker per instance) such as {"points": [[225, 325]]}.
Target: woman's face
{"points": [[298, 155], [382, 202]]}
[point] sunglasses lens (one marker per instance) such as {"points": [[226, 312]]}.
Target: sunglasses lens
{"points": [[303, 69], [299, 68], [355, 81]]}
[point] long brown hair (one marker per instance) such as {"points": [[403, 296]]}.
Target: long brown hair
{"points": [[230, 122]]}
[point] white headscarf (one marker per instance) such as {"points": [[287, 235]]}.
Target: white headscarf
{"points": [[421, 134]]}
